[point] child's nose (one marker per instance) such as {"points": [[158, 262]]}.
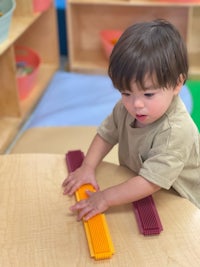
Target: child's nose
{"points": [[138, 103]]}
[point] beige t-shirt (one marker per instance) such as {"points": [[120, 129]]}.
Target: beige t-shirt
{"points": [[166, 152]]}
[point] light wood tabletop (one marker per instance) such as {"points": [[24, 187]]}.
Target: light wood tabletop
{"points": [[38, 230]]}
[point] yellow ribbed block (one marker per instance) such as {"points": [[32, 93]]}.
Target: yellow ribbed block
{"points": [[96, 229]]}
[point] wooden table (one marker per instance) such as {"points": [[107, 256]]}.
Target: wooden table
{"points": [[58, 140], [38, 230]]}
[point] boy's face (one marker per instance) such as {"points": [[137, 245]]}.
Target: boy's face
{"points": [[148, 105]]}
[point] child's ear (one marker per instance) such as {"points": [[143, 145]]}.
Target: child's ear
{"points": [[180, 83]]}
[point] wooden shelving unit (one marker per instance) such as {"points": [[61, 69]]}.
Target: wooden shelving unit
{"points": [[39, 32], [86, 18]]}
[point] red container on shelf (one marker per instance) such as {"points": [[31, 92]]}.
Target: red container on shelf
{"points": [[27, 62], [109, 39], [41, 5]]}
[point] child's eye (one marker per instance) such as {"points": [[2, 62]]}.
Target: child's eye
{"points": [[149, 95], [125, 94]]}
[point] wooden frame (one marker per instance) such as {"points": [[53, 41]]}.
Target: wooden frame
{"points": [[86, 18], [39, 32]]}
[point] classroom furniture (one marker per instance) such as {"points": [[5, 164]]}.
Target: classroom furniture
{"points": [[74, 99], [61, 6], [86, 18], [38, 229], [39, 32]]}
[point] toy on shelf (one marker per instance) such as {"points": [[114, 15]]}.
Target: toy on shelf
{"points": [[41, 5], [27, 68], [108, 39], [96, 228]]}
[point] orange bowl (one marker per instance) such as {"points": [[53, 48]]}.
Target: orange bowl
{"points": [[108, 39], [41, 5]]}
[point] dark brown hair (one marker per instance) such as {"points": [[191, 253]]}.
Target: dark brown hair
{"points": [[149, 48]]}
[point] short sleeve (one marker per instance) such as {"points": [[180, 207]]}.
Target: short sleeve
{"points": [[169, 155], [108, 129], [162, 169]]}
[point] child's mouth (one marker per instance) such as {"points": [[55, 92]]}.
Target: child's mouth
{"points": [[140, 117]]}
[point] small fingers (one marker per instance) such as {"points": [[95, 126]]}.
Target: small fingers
{"points": [[67, 180], [70, 188], [96, 186], [90, 214], [85, 211], [70, 185]]}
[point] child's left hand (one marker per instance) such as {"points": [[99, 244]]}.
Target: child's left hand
{"points": [[93, 205]]}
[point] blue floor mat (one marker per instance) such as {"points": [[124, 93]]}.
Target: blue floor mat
{"points": [[75, 99], [81, 99]]}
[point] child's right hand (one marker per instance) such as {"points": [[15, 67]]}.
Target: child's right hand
{"points": [[83, 175]]}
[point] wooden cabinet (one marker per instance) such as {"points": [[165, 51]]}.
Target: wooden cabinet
{"points": [[39, 32], [86, 18]]}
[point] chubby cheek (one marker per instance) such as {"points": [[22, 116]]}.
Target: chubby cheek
{"points": [[128, 106], [157, 110], [124, 102]]}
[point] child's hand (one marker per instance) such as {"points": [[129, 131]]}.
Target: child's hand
{"points": [[83, 175], [96, 203]]}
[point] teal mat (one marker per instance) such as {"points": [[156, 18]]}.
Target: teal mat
{"points": [[194, 89]]}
